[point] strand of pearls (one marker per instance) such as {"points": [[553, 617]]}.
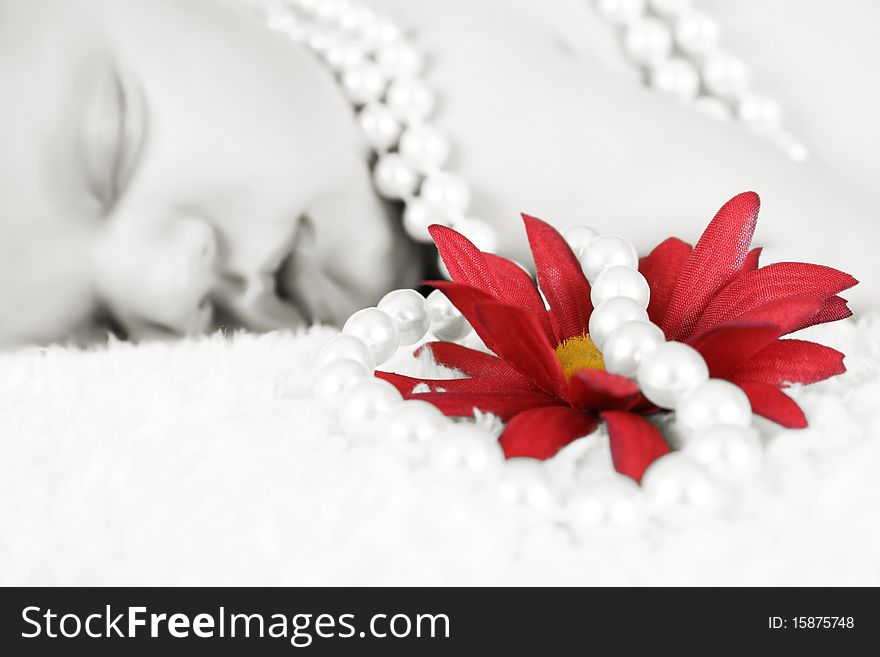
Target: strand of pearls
{"points": [[712, 417], [378, 68], [719, 447], [677, 49]]}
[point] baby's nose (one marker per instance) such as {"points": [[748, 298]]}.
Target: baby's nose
{"points": [[161, 275]]}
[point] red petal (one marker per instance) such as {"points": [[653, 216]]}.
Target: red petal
{"points": [[835, 309], [541, 432], [791, 361], [495, 384], [776, 281], [598, 389], [404, 384], [511, 333], [774, 405], [635, 443], [466, 299], [718, 256], [464, 261], [470, 361], [785, 314], [517, 288], [662, 268], [503, 404], [498, 277], [517, 338], [727, 347], [752, 261], [561, 278]]}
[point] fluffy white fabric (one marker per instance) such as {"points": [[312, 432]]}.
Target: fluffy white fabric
{"points": [[205, 462]]}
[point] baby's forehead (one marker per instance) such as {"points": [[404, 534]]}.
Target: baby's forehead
{"points": [[46, 216]]}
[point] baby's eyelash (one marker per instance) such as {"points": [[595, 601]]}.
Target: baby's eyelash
{"points": [[112, 135], [115, 182]]}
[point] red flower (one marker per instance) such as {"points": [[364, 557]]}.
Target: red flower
{"points": [[546, 379]]}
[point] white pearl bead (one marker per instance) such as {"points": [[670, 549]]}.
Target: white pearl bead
{"points": [[759, 112], [578, 237], [609, 506], [480, 232], [424, 148], [647, 40], [524, 480], [411, 426], [447, 323], [670, 372], [620, 281], [416, 421], [714, 402], [484, 457], [626, 347], [466, 445], [797, 151], [610, 314], [408, 309], [322, 40], [393, 178], [350, 19], [607, 250], [670, 8], [418, 216], [378, 329], [446, 191], [379, 126], [696, 33], [676, 76], [724, 75], [335, 378], [620, 12], [343, 56], [679, 489], [731, 454], [399, 60], [345, 346], [366, 406], [793, 147], [411, 101], [714, 108], [449, 448], [379, 31], [363, 84]]}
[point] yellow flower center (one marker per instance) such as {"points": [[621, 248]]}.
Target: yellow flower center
{"points": [[579, 354]]}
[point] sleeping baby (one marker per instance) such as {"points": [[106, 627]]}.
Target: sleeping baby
{"points": [[173, 166]]}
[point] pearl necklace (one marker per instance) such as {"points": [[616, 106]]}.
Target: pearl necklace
{"points": [[713, 418], [377, 68], [676, 49]]}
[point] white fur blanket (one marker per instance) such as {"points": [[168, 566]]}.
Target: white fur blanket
{"points": [[205, 462]]}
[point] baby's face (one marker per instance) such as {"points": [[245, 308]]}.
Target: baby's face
{"points": [[161, 157]]}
